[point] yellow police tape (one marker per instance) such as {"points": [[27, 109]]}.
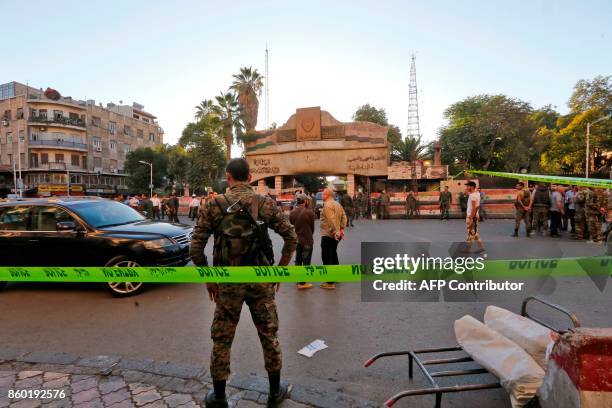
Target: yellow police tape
{"points": [[503, 269], [578, 181]]}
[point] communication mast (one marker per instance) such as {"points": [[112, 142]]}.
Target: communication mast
{"points": [[413, 130], [267, 93]]}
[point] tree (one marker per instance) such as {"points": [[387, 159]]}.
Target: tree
{"points": [[490, 132], [593, 94], [204, 109], [368, 113], [139, 174], [248, 84], [311, 183], [410, 149], [227, 111]]}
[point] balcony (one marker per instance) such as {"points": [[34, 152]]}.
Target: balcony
{"points": [[64, 144], [58, 121], [55, 166]]}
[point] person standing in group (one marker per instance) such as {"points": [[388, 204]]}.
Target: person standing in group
{"points": [[378, 206], [134, 202], [472, 218], [483, 212], [556, 210], [463, 203], [570, 210], [156, 204], [522, 207], [580, 213], [333, 224], [302, 219], [445, 202], [239, 219], [194, 206], [357, 205], [412, 202], [540, 209], [347, 204], [146, 206], [593, 208], [172, 207], [385, 202]]}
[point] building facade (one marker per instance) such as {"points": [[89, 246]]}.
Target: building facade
{"points": [[58, 141]]}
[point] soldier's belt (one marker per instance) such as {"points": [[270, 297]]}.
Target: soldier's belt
{"points": [[501, 269]]}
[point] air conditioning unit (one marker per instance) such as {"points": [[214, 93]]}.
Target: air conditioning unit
{"points": [[5, 122], [98, 149], [113, 170]]}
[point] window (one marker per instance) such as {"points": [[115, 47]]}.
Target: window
{"points": [[22, 157], [46, 218], [34, 136], [97, 162], [10, 159], [75, 159], [139, 133], [42, 114], [44, 158], [113, 164], [9, 137], [112, 145], [7, 90], [33, 160], [7, 115], [14, 218], [58, 114], [22, 135], [127, 148], [151, 137], [19, 114], [84, 161], [97, 143], [73, 115], [59, 157], [127, 130], [112, 127], [96, 121], [33, 112]]}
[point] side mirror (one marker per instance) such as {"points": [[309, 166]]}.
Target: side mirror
{"points": [[65, 226]]}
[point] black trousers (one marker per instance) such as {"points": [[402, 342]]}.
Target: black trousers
{"points": [[303, 255], [555, 222], [329, 251]]}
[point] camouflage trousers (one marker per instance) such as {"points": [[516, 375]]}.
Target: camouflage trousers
{"points": [[259, 298], [594, 223], [521, 215], [540, 218], [580, 220], [472, 230], [444, 210]]}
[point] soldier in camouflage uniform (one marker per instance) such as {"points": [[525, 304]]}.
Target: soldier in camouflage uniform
{"points": [[593, 207], [522, 204], [225, 217], [580, 216]]}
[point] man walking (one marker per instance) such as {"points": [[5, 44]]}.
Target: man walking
{"points": [[234, 219], [522, 206], [194, 206], [445, 201], [556, 210], [541, 206], [471, 220], [156, 206], [333, 224], [302, 219]]}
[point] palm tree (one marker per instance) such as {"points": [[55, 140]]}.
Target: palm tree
{"points": [[204, 109], [409, 149], [227, 110], [248, 84]]}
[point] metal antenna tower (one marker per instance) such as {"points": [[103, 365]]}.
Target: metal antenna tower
{"points": [[267, 93], [413, 130]]}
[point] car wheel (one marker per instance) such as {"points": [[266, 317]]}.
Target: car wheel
{"points": [[123, 289]]}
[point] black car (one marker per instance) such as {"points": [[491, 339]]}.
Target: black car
{"points": [[88, 231]]}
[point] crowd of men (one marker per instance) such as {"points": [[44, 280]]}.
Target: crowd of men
{"points": [[555, 209], [161, 208]]}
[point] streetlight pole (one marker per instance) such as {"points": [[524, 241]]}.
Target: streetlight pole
{"points": [[150, 175], [588, 136]]}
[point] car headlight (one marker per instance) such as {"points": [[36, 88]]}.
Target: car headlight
{"points": [[158, 243]]}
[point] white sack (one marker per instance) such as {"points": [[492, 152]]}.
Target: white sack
{"points": [[532, 337], [518, 373]]}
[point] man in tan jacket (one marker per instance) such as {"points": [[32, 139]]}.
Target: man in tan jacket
{"points": [[333, 224]]}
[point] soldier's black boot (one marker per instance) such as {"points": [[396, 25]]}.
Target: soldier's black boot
{"points": [[216, 397], [278, 391], [515, 233]]}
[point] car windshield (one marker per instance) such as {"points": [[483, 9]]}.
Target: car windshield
{"points": [[106, 213]]}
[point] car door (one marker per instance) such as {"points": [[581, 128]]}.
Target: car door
{"points": [[56, 246], [15, 244]]}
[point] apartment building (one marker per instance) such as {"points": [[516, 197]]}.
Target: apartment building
{"points": [[58, 141]]}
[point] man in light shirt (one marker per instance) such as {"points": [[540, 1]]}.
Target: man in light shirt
{"points": [[333, 224], [194, 205], [156, 206], [471, 219]]}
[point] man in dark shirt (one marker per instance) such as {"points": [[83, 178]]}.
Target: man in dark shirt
{"points": [[302, 219]]}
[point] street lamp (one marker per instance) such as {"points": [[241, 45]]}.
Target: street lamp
{"points": [[151, 175], [588, 134]]}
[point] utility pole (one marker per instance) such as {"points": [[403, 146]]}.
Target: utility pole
{"points": [[150, 175], [267, 93], [19, 162]]}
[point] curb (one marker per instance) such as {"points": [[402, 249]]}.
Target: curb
{"points": [[173, 377]]}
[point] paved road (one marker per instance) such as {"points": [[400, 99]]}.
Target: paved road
{"points": [[171, 322]]}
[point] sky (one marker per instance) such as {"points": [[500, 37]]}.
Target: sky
{"points": [[169, 55]]}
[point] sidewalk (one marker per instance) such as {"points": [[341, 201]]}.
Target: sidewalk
{"points": [[120, 382]]}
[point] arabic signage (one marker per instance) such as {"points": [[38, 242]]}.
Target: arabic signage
{"points": [[410, 171]]}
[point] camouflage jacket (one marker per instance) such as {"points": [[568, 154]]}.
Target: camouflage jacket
{"points": [[211, 215], [592, 202]]}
